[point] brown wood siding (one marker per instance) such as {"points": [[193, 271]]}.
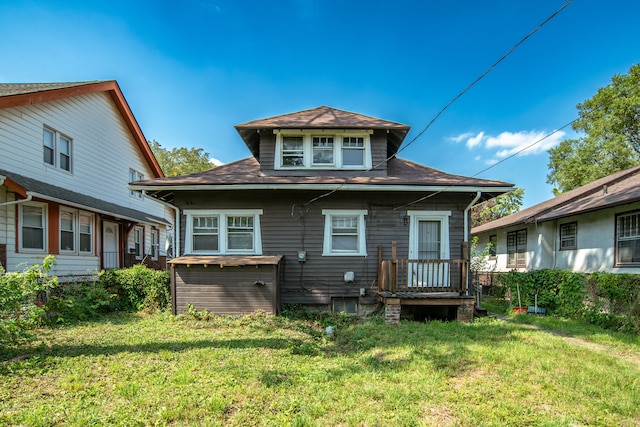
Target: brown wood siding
{"points": [[289, 226], [228, 290]]}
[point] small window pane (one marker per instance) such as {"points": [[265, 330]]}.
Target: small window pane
{"points": [[86, 233], [292, 151], [32, 227], [49, 147], [65, 154]]}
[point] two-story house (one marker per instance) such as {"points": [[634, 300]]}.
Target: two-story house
{"points": [[67, 154], [311, 217]]}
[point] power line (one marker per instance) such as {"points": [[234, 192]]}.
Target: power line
{"points": [[454, 99]]}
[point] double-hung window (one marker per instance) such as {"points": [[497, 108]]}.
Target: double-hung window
{"points": [[223, 232], [344, 233], [155, 244], [138, 241], [517, 249], [67, 230], [569, 236], [135, 176], [33, 227], [85, 230], [76, 232], [628, 239], [325, 149], [57, 149]]}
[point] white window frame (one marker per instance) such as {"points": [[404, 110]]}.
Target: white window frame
{"points": [[307, 144], [223, 232], [45, 226], [138, 242], [415, 217], [154, 247], [56, 149], [327, 249], [627, 232], [76, 231], [134, 175]]}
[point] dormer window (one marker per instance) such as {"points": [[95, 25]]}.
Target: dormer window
{"points": [[323, 149]]}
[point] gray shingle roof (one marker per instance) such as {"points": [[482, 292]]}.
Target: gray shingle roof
{"points": [[11, 89]]}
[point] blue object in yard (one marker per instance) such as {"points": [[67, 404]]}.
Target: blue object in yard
{"points": [[537, 310]]}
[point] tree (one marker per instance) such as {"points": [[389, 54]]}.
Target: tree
{"points": [[609, 123], [180, 161], [498, 207]]}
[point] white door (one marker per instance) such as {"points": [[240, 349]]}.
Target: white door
{"points": [[428, 240], [110, 253]]}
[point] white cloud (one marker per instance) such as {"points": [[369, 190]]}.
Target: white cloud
{"points": [[472, 142], [215, 162], [460, 137], [524, 142]]}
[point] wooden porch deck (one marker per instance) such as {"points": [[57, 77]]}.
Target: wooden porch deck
{"points": [[424, 283]]}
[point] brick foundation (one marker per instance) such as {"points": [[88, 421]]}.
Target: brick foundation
{"points": [[392, 310], [465, 311]]}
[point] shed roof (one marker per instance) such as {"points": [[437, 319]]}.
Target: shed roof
{"points": [[616, 189]]}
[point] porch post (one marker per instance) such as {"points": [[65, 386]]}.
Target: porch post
{"points": [[392, 310]]}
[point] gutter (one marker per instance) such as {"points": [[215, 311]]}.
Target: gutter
{"points": [[467, 233], [17, 202], [176, 226]]}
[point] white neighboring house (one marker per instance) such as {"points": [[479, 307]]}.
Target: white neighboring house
{"points": [[67, 154], [593, 228]]}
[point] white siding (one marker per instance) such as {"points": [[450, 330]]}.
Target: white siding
{"points": [[595, 243]]}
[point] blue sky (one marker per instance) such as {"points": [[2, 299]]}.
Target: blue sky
{"points": [[191, 70]]}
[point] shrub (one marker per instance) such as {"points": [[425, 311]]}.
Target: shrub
{"points": [[19, 306], [138, 287]]}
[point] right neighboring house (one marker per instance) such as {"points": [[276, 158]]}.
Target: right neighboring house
{"points": [[593, 228]]}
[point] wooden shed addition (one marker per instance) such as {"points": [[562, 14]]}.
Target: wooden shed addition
{"points": [[226, 284]]}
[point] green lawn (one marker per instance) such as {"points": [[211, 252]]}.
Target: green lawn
{"points": [[263, 370]]}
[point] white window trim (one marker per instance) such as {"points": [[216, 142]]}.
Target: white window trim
{"points": [[327, 249], [74, 230], [137, 176], [91, 232], [307, 144], [56, 150], [139, 252], [415, 217], [222, 215], [45, 228], [154, 245]]}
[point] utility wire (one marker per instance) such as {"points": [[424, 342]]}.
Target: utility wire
{"points": [[454, 99]]}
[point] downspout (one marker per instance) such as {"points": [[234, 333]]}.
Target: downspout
{"points": [[176, 227], [467, 234], [17, 202]]}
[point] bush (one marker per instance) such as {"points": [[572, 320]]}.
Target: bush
{"points": [[606, 299], [20, 308], [138, 287]]}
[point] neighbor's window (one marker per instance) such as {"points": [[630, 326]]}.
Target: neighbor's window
{"points": [[33, 220], [135, 176], [517, 249], [344, 232], [138, 241], [628, 239], [493, 250], [215, 231], [334, 149], [569, 236], [57, 149], [67, 230], [85, 229], [155, 244]]}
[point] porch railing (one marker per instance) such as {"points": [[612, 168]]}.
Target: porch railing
{"points": [[423, 276]]}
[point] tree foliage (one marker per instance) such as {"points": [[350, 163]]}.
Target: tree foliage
{"points": [[180, 161], [496, 208], [609, 125]]}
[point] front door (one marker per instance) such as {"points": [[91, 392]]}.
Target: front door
{"points": [[110, 252], [428, 246]]}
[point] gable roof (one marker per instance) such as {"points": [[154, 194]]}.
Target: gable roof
{"points": [[246, 174], [322, 117], [616, 189], [19, 94]]}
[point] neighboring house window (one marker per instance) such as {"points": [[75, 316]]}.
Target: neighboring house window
{"points": [[569, 236], [493, 249], [155, 244], [85, 230], [76, 231], [67, 230], [335, 149], [628, 239], [223, 232], [57, 149], [344, 233], [517, 249], [138, 241], [135, 176], [33, 232]]}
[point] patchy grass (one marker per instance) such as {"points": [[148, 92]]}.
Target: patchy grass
{"points": [[264, 370]]}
